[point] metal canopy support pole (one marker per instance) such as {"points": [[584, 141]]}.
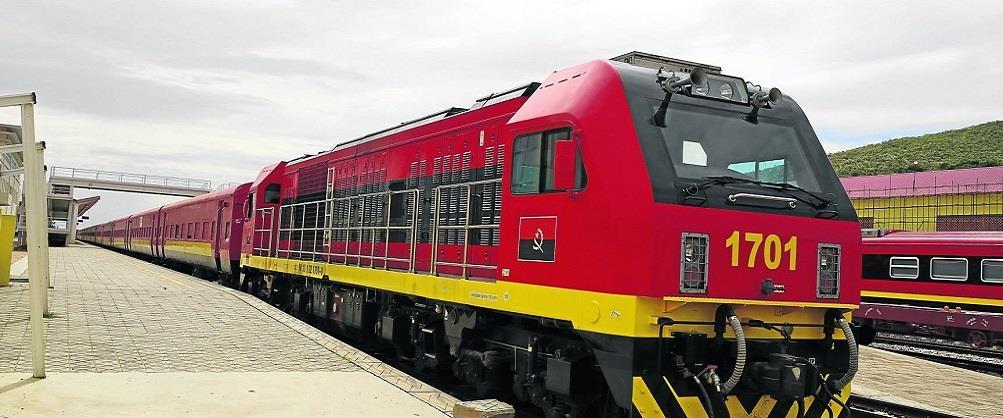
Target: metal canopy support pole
{"points": [[43, 197], [71, 238], [37, 231]]}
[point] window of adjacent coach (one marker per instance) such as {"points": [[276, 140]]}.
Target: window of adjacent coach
{"points": [[992, 271], [955, 269], [533, 162], [773, 171], [903, 267]]}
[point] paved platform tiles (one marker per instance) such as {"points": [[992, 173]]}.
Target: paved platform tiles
{"points": [[902, 379], [116, 314]]}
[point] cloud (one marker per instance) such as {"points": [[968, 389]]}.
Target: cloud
{"points": [[220, 89]]}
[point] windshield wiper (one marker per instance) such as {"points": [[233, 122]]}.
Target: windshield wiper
{"points": [[817, 202]]}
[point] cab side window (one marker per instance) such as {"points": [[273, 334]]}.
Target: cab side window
{"points": [[533, 162], [526, 160], [272, 193]]}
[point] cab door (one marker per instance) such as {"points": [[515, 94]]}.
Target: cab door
{"points": [[543, 215]]}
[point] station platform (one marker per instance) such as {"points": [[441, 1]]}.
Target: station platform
{"points": [[129, 338], [906, 380]]}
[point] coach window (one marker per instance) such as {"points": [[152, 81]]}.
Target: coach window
{"points": [[903, 267], [188, 231], [955, 269], [196, 233], [992, 270], [533, 162], [226, 234], [272, 194]]}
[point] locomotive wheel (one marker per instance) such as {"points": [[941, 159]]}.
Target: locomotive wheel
{"points": [[978, 339]]}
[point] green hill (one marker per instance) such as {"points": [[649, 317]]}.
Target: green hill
{"points": [[974, 146]]}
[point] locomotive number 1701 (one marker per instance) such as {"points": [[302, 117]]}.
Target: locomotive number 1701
{"points": [[773, 250]]}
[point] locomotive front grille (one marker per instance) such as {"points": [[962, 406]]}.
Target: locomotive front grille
{"points": [[693, 264], [828, 271]]}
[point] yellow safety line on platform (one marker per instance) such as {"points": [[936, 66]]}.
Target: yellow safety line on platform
{"points": [[164, 277], [180, 283]]}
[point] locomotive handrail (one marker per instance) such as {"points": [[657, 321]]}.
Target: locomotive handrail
{"points": [[340, 229], [328, 229], [465, 265], [265, 250]]}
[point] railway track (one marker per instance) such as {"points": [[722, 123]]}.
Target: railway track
{"points": [[873, 408], [981, 360]]}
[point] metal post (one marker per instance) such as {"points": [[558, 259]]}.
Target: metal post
{"points": [[37, 231], [43, 197], [71, 238]]}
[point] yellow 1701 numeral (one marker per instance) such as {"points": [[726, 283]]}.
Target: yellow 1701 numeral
{"points": [[773, 251]]}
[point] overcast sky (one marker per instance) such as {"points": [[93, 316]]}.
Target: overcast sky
{"points": [[218, 89]]}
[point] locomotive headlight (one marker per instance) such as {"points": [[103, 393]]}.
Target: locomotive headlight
{"points": [[726, 91], [828, 271], [693, 263]]}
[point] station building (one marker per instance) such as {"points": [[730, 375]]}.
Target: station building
{"points": [[949, 200], [10, 185]]}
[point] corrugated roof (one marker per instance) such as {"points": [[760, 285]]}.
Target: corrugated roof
{"points": [[940, 237], [927, 183]]}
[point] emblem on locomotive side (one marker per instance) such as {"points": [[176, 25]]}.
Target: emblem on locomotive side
{"points": [[537, 238]]}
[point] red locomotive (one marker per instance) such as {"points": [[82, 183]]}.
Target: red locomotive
{"points": [[616, 240], [944, 284]]}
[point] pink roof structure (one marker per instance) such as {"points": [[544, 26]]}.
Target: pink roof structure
{"points": [[927, 183]]}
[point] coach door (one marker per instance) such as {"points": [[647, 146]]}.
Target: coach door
{"points": [[151, 231], [216, 241], [161, 233], [128, 235]]}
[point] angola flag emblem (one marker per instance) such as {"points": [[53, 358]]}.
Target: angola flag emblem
{"points": [[537, 238]]}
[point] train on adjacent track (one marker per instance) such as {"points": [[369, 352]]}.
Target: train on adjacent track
{"points": [[940, 284], [641, 238]]}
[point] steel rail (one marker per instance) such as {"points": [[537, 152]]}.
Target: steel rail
{"points": [[862, 407]]}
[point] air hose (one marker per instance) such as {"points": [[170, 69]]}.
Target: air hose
{"points": [[736, 373], [851, 369], [704, 398]]}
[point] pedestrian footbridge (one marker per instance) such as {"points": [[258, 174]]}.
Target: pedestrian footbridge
{"points": [[64, 210], [128, 182]]}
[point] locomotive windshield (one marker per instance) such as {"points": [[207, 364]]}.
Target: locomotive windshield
{"points": [[702, 145], [709, 150]]}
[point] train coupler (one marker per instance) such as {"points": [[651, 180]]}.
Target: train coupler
{"points": [[784, 376]]}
